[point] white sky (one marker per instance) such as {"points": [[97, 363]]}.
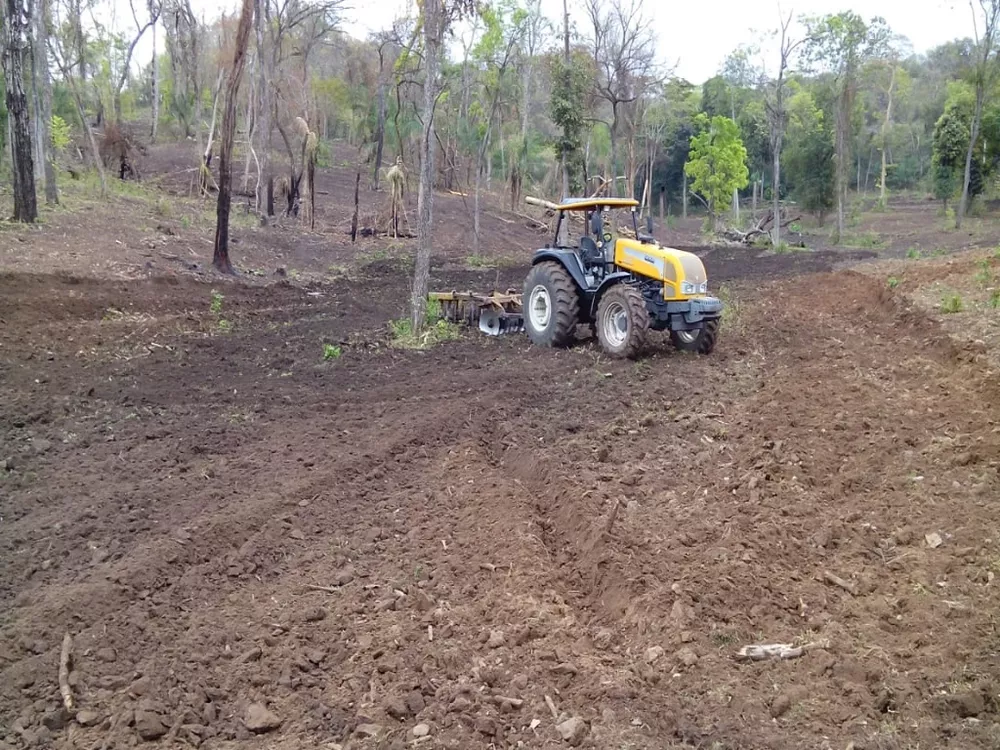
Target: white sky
{"points": [[696, 36]]}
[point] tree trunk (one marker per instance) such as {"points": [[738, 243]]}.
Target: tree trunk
{"points": [[263, 129], [885, 139], [425, 195], [684, 196], [614, 151], [842, 116], [977, 117], [25, 200], [379, 132], [776, 187], [45, 80], [220, 257], [156, 91], [563, 239], [662, 213], [37, 142]]}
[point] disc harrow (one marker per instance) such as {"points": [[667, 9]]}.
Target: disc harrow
{"points": [[496, 313]]}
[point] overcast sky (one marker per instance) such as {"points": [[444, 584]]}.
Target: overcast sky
{"points": [[694, 36], [697, 36]]}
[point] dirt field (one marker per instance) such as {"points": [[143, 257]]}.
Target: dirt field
{"points": [[466, 546]]}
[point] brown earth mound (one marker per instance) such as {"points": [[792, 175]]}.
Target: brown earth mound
{"points": [[489, 544]]}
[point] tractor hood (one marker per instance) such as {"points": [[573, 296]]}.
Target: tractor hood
{"points": [[662, 263]]}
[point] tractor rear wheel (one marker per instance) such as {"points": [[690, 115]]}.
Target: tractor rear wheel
{"points": [[622, 321], [551, 305], [701, 340]]}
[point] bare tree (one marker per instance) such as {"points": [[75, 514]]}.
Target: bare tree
{"points": [[436, 17], [382, 40], [153, 9], [985, 75], [41, 95], [434, 27], [15, 24], [67, 65], [220, 257], [624, 52], [156, 86], [777, 116]]}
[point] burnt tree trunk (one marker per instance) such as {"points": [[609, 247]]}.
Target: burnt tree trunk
{"points": [[15, 23], [220, 257]]}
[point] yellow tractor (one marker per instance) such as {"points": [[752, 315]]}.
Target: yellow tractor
{"points": [[622, 286]]}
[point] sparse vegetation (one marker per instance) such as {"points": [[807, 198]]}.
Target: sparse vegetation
{"points": [[331, 351], [437, 330], [952, 303]]}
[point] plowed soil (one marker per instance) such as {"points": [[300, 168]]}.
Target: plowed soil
{"points": [[486, 544]]}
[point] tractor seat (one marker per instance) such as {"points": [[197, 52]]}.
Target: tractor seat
{"points": [[589, 251]]}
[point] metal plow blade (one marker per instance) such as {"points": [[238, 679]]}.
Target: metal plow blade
{"points": [[496, 313]]}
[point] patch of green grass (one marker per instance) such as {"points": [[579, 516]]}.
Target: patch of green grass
{"points": [[913, 253], [331, 351], [994, 301], [436, 330], [984, 276], [893, 282], [186, 222], [865, 241], [216, 305], [481, 261], [164, 208], [952, 303], [224, 325], [732, 308]]}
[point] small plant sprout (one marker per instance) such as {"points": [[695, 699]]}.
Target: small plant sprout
{"points": [[331, 351], [216, 305], [951, 304], [893, 282]]}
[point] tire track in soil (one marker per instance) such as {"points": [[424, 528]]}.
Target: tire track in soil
{"points": [[739, 496]]}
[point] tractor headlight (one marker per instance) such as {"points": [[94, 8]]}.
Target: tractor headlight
{"points": [[703, 288], [688, 288]]}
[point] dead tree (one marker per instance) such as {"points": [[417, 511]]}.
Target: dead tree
{"points": [[220, 258], [42, 98], [397, 188], [154, 14], [624, 51], [777, 116], [15, 24]]}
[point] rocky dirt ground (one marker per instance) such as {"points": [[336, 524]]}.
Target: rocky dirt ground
{"points": [[483, 544]]}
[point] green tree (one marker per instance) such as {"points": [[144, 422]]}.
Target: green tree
{"points": [[570, 84], [809, 156], [951, 139], [842, 44], [717, 163]]}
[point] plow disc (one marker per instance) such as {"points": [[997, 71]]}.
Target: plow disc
{"points": [[495, 313]]}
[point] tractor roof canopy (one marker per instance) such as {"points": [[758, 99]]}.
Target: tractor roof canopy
{"points": [[589, 204]]}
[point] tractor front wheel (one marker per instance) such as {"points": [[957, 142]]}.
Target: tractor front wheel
{"points": [[551, 305], [622, 321], [700, 340]]}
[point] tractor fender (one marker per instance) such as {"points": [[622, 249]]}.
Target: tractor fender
{"points": [[609, 281], [568, 259]]}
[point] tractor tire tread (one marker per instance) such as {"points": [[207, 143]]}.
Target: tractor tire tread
{"points": [[565, 302], [638, 317]]}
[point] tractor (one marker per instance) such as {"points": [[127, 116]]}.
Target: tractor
{"points": [[622, 287]]}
